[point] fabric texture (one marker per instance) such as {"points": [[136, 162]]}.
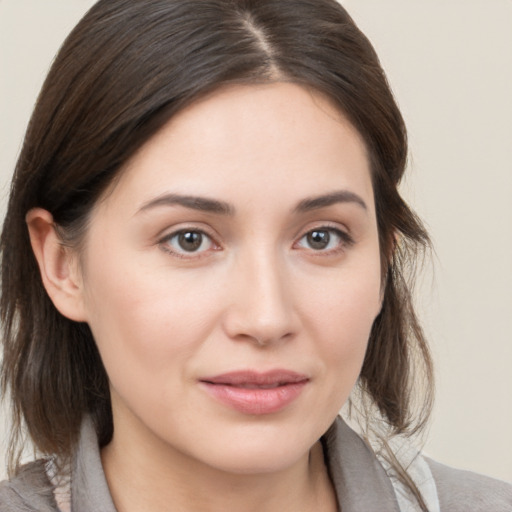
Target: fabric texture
{"points": [[465, 491], [417, 468], [361, 481]]}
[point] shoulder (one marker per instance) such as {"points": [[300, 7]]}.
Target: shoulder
{"points": [[460, 491], [29, 491]]}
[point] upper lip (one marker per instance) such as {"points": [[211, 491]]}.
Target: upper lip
{"points": [[244, 378]]}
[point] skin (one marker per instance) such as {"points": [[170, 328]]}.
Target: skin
{"points": [[257, 294]]}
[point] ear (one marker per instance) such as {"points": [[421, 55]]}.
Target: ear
{"points": [[58, 265]]}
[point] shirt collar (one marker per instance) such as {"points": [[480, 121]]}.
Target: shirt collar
{"points": [[359, 480]]}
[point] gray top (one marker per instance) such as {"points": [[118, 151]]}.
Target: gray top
{"points": [[360, 482]]}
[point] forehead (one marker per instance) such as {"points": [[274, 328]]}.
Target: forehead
{"points": [[283, 137]]}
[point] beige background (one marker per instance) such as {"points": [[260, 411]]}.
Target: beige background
{"points": [[450, 64]]}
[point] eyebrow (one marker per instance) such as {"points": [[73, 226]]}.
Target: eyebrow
{"points": [[209, 205], [323, 201], [203, 204]]}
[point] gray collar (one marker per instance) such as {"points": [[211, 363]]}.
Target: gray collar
{"points": [[360, 482], [89, 489]]}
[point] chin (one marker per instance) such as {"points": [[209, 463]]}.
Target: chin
{"points": [[261, 450], [254, 462]]}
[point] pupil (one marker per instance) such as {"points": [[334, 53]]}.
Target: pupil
{"points": [[190, 241], [318, 239]]}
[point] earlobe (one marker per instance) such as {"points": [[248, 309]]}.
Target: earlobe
{"points": [[58, 265]]}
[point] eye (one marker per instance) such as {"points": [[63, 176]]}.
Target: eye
{"points": [[187, 241], [324, 239]]}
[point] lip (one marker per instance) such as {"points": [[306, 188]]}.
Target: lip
{"points": [[256, 393]]}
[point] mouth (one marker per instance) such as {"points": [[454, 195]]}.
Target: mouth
{"points": [[256, 393]]}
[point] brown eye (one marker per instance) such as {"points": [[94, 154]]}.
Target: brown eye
{"points": [[188, 241], [318, 239], [325, 239]]}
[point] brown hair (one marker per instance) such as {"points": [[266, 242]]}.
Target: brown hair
{"points": [[126, 68]]}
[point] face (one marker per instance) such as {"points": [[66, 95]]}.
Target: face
{"points": [[231, 278]]}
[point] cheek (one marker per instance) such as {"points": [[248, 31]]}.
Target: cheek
{"points": [[341, 315], [347, 303], [141, 319]]}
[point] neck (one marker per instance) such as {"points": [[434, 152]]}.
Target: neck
{"points": [[146, 477]]}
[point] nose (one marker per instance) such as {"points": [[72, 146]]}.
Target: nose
{"points": [[261, 306]]}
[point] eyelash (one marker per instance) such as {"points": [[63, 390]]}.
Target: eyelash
{"points": [[165, 243], [344, 241]]}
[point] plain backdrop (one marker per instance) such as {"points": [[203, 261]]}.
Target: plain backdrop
{"points": [[450, 65]]}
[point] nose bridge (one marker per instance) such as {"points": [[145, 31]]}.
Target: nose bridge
{"points": [[262, 306]]}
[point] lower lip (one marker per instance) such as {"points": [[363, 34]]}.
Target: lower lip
{"points": [[256, 401]]}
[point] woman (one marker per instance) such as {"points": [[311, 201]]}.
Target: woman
{"points": [[203, 256]]}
